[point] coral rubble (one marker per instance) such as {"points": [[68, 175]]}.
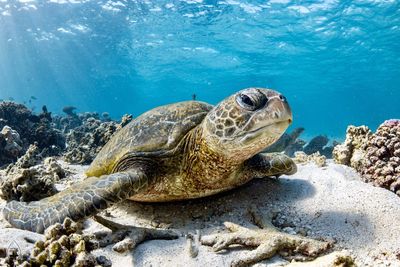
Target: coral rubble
{"points": [[376, 156]]}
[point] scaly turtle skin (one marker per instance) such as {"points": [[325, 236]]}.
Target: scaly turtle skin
{"points": [[175, 152]]}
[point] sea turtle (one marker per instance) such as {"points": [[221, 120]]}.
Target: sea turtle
{"points": [[179, 151]]}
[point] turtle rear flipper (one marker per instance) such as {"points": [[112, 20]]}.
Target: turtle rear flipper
{"points": [[77, 202]]}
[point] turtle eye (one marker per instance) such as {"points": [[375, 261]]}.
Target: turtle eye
{"points": [[251, 102]]}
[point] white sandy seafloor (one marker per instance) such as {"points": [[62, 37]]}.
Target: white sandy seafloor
{"points": [[330, 203]]}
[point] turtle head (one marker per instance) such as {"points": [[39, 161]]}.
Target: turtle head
{"points": [[247, 122]]}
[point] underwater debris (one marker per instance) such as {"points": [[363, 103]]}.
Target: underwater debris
{"points": [[29, 179], [376, 156], [69, 110], [64, 245]]}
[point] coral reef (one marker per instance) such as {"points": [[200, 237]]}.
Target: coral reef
{"points": [[376, 156], [31, 128], [27, 180], [85, 141], [64, 245], [79, 135]]}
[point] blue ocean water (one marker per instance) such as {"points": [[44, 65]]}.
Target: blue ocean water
{"points": [[337, 62]]}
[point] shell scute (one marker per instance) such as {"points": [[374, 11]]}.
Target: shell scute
{"points": [[155, 132]]}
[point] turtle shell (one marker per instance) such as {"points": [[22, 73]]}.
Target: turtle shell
{"points": [[154, 133]]}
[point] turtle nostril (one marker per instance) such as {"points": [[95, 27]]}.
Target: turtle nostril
{"points": [[282, 97]]}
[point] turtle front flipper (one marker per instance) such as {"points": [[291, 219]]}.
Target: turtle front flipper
{"points": [[77, 202], [269, 164]]}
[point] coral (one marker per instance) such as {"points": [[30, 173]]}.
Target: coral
{"points": [[376, 156], [291, 143], [317, 158], [31, 128], [266, 241], [85, 141], [351, 151], [127, 118], [64, 245], [337, 258], [10, 145], [381, 163], [69, 110], [105, 116], [286, 141], [316, 144], [296, 146], [27, 181]]}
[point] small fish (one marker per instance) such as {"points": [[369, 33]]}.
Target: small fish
{"points": [[11, 98], [33, 98], [194, 97]]}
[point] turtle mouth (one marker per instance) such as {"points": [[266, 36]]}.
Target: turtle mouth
{"points": [[272, 125], [272, 130]]}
